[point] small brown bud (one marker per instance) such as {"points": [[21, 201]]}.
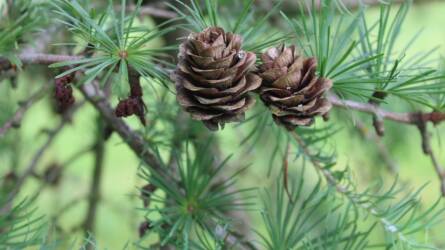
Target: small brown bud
{"points": [[146, 192], [131, 106], [143, 228], [53, 174], [63, 93]]}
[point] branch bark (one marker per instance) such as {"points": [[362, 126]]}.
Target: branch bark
{"points": [[427, 150], [95, 96], [94, 196], [24, 107], [407, 118], [412, 118], [155, 11], [136, 142]]}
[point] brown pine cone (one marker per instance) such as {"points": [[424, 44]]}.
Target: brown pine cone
{"points": [[291, 89], [213, 79]]}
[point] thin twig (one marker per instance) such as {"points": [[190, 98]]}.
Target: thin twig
{"points": [[426, 146], [343, 190], [42, 58], [154, 11], [135, 141], [383, 151], [408, 118], [30, 169], [326, 173], [94, 194], [24, 107]]}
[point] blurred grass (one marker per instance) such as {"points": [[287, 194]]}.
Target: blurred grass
{"points": [[118, 218]]}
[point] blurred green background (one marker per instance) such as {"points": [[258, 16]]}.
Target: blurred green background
{"points": [[118, 218]]}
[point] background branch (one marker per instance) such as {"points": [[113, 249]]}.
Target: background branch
{"points": [[24, 107], [30, 169], [427, 150], [412, 118], [94, 194], [155, 11], [382, 150]]}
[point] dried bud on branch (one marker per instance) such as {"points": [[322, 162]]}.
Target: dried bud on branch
{"points": [[213, 79], [131, 106], [63, 93], [146, 192], [134, 104], [53, 174], [143, 228]]}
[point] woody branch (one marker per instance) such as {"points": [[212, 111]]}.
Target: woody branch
{"points": [[411, 118]]}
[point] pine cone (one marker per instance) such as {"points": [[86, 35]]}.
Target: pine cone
{"points": [[291, 89], [213, 79]]}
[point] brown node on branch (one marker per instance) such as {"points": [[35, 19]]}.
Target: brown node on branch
{"points": [[53, 174], [134, 104], [144, 227], [108, 131], [131, 106], [9, 71], [379, 126], [146, 193], [9, 180], [123, 54], [435, 117], [377, 97]]}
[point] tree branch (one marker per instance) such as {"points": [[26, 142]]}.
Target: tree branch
{"points": [[427, 150], [40, 58], [94, 194], [30, 169], [24, 107], [382, 150], [408, 118], [412, 118], [155, 11], [134, 140]]}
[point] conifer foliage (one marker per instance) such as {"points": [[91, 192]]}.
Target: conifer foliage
{"points": [[164, 78]]}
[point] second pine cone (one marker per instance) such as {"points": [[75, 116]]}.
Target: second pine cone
{"points": [[291, 89]]}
